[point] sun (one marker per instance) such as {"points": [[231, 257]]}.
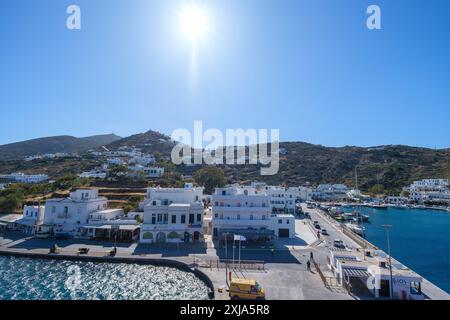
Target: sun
{"points": [[194, 22]]}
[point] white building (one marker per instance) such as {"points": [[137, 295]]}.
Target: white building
{"points": [[247, 211], [371, 274], [32, 218], [144, 160], [283, 200], [305, 193], [23, 178], [84, 214], [147, 172], [435, 190], [330, 192], [397, 200], [115, 161], [94, 174], [172, 215]]}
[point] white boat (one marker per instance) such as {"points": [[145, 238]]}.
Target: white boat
{"points": [[378, 206], [356, 228]]}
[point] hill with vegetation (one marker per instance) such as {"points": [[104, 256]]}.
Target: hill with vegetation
{"points": [[382, 169], [67, 144], [150, 142]]}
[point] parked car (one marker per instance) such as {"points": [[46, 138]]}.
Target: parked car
{"points": [[318, 227], [325, 232], [316, 222], [337, 243]]}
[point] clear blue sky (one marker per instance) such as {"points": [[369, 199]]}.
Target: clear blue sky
{"points": [[308, 67]]}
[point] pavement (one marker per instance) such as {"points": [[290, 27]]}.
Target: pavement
{"points": [[430, 290]]}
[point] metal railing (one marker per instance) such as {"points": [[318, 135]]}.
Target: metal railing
{"points": [[230, 264]]}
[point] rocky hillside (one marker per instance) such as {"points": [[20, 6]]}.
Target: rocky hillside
{"points": [[386, 167], [55, 144]]}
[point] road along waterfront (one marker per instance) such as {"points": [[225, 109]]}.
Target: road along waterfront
{"points": [[334, 228]]}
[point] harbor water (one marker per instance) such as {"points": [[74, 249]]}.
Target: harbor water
{"points": [[36, 279], [420, 239]]}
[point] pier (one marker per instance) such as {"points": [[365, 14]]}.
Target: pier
{"points": [[353, 241]]}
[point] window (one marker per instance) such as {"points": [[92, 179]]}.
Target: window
{"points": [[53, 209], [216, 215], [199, 217], [153, 219], [251, 217], [66, 210], [174, 219], [287, 221], [183, 218], [191, 218], [239, 217], [280, 221], [264, 217], [160, 217]]}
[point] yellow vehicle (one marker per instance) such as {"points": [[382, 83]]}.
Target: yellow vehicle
{"points": [[246, 289]]}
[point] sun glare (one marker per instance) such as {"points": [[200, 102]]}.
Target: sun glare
{"points": [[194, 22]]}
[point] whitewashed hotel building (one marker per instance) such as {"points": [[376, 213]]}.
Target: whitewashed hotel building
{"points": [[172, 215], [84, 214], [247, 211], [283, 200], [429, 190]]}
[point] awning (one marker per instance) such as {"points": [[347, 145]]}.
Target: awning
{"points": [[129, 227], [355, 273], [124, 227]]}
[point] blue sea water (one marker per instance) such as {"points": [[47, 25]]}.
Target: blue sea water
{"points": [[420, 239], [35, 279]]}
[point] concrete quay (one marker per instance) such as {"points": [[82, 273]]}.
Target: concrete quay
{"points": [[430, 290]]}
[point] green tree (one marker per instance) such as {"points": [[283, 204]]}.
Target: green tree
{"points": [[210, 178], [118, 172], [11, 202]]}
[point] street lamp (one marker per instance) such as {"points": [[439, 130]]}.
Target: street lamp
{"points": [[388, 228]]}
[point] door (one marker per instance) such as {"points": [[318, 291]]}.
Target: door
{"points": [[384, 288], [283, 233], [161, 237]]}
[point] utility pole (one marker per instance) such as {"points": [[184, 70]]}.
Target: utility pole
{"points": [[391, 285]]}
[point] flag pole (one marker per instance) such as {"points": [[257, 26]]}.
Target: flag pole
{"points": [[234, 245], [240, 252]]}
